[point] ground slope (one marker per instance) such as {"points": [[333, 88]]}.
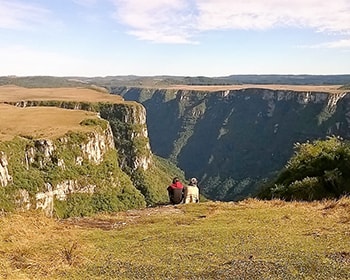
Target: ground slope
{"points": [[245, 240]]}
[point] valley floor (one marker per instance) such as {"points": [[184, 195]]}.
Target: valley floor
{"points": [[214, 240]]}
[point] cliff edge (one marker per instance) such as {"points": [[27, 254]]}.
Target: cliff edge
{"points": [[75, 151]]}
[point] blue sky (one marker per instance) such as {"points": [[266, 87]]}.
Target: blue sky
{"points": [[174, 37]]}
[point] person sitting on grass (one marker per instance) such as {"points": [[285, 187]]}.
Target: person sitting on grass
{"points": [[175, 191], [191, 192]]}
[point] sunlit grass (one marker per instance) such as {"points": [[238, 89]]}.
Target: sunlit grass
{"points": [[40, 122], [246, 240], [14, 94]]}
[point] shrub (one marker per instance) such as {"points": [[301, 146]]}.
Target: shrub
{"points": [[94, 122], [77, 205], [6, 200], [317, 170]]}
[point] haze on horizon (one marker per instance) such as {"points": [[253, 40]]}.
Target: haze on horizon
{"points": [[174, 37]]}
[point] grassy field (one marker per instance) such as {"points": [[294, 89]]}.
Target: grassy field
{"points": [[214, 240], [46, 122], [14, 94], [38, 122]]}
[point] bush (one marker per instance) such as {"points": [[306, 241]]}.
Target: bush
{"points": [[317, 170], [77, 205], [6, 200], [94, 122]]}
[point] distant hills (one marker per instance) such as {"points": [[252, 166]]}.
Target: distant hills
{"points": [[164, 80], [227, 80]]}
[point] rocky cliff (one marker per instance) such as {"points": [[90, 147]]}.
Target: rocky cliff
{"points": [[104, 163], [233, 139], [39, 172], [5, 177]]}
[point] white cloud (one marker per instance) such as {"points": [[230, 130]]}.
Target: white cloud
{"points": [[340, 44], [344, 43], [157, 20], [20, 15], [180, 20], [329, 16]]}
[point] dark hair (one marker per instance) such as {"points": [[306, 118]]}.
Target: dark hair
{"points": [[176, 179]]}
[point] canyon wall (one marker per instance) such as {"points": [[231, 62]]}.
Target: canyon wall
{"points": [[233, 140]]}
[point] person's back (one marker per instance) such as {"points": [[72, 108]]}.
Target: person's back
{"points": [[175, 191], [177, 196], [191, 192]]}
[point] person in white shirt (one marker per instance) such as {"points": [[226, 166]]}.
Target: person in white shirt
{"points": [[191, 192]]}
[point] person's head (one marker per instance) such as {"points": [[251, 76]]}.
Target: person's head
{"points": [[193, 181], [176, 179]]}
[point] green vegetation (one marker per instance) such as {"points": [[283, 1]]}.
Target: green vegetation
{"points": [[113, 189], [7, 197], [23, 178], [318, 170], [133, 152], [94, 122], [153, 182], [247, 240]]}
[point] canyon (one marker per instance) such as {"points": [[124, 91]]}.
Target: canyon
{"points": [[234, 138]]}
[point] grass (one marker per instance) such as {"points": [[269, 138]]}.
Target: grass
{"points": [[37, 122], [15, 94], [46, 122], [214, 240]]}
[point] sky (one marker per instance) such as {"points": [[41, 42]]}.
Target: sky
{"points": [[174, 37]]}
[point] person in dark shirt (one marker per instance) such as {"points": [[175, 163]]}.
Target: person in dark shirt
{"points": [[175, 191]]}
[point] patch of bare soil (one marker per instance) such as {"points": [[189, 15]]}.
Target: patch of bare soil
{"points": [[121, 219]]}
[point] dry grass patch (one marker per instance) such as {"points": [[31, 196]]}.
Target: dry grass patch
{"points": [[34, 247], [16, 94], [39, 122]]}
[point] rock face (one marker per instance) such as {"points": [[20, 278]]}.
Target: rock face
{"points": [[97, 145], [56, 169], [45, 199], [5, 178], [130, 134], [233, 139], [43, 153]]}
